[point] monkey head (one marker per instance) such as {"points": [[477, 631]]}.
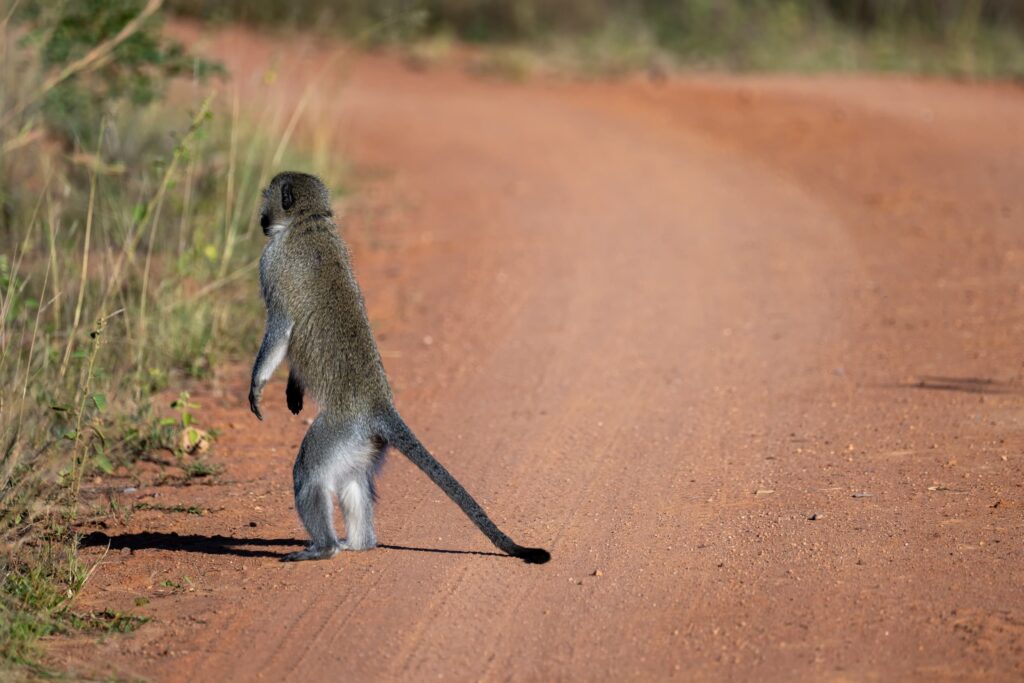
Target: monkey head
{"points": [[291, 196]]}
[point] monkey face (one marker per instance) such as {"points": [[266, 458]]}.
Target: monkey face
{"points": [[290, 196], [278, 200]]}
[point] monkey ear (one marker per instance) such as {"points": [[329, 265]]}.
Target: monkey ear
{"points": [[287, 197]]}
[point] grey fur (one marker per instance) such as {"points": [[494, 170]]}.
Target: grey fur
{"points": [[316, 317]]}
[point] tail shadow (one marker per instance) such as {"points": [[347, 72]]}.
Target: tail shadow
{"points": [[443, 551]]}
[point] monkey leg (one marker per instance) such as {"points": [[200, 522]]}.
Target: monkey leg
{"points": [[313, 503], [314, 490], [356, 497]]}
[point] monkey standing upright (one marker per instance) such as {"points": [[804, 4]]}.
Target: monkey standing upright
{"points": [[316, 318]]}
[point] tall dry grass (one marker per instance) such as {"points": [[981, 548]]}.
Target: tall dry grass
{"points": [[128, 255]]}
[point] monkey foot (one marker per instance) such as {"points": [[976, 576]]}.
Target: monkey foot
{"points": [[311, 553], [357, 547]]}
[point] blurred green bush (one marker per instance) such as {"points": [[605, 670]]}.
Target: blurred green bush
{"points": [[973, 37]]}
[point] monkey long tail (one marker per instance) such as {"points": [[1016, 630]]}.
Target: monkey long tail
{"points": [[401, 437]]}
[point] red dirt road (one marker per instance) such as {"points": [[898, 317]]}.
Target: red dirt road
{"points": [[744, 354]]}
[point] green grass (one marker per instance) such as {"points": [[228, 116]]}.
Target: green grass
{"points": [[128, 253]]}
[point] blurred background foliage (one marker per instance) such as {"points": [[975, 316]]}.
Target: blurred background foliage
{"points": [[137, 72], [983, 38]]}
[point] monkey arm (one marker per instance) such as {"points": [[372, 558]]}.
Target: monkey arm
{"points": [[293, 393], [272, 352]]}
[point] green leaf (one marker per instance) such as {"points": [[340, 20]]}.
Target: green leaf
{"points": [[71, 435], [139, 212], [167, 422], [100, 400], [103, 463]]}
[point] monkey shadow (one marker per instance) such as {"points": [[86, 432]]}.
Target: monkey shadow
{"points": [[229, 545]]}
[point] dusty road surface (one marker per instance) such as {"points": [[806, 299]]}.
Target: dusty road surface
{"points": [[744, 354]]}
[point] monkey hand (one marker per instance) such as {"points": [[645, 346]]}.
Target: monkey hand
{"points": [[254, 399], [293, 395]]}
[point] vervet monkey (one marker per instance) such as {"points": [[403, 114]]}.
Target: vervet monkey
{"points": [[317, 320]]}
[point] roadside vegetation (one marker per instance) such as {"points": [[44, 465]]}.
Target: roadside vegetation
{"points": [[128, 177], [968, 38]]}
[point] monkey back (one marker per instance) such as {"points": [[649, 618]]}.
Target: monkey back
{"points": [[331, 336]]}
